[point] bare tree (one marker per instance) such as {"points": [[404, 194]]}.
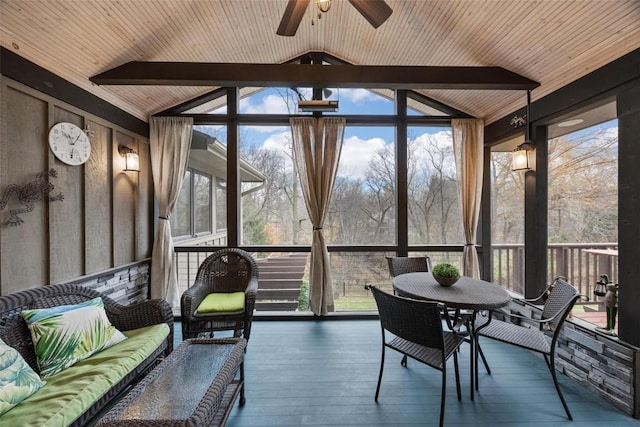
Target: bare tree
{"points": [[432, 192], [379, 185], [583, 187], [507, 200]]}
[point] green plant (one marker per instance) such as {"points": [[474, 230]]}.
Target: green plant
{"points": [[303, 299], [446, 270]]}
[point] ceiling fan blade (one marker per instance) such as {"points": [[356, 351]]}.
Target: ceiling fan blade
{"points": [[292, 16], [374, 11]]}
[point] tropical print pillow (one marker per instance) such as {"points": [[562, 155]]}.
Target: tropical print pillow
{"points": [[66, 334], [17, 380]]}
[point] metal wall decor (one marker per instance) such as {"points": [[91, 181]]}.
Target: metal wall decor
{"points": [[28, 195], [518, 121]]}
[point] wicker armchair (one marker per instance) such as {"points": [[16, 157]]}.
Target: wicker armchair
{"points": [[417, 332], [227, 270], [516, 330]]}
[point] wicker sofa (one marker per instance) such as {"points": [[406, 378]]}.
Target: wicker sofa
{"points": [[147, 325]]}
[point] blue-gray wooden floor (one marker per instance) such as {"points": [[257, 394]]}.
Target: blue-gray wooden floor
{"points": [[324, 373]]}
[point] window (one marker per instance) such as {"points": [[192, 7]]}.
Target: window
{"points": [[193, 211], [432, 192], [583, 212], [180, 219], [362, 209], [507, 219], [361, 225], [273, 100], [273, 209], [221, 205], [202, 203], [363, 101]]}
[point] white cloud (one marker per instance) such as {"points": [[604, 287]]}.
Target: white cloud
{"points": [[278, 141], [356, 154], [358, 96], [281, 142], [611, 133], [426, 143], [440, 139], [269, 104]]}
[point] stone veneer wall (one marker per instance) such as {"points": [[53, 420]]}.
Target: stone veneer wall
{"points": [[600, 363], [126, 284]]}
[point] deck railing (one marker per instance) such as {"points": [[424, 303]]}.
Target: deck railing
{"points": [[571, 260], [350, 270]]}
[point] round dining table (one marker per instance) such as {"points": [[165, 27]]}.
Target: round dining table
{"points": [[466, 294]]}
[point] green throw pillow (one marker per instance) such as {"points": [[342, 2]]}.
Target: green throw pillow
{"points": [[222, 303], [17, 380], [66, 334]]}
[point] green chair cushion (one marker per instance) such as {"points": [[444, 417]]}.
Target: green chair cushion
{"points": [[232, 302], [69, 393]]}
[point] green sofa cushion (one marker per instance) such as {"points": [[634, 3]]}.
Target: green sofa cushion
{"points": [[232, 302], [65, 334], [17, 380], [68, 394]]}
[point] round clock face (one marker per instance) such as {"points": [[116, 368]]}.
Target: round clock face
{"points": [[69, 143]]}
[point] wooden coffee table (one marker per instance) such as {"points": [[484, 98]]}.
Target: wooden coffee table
{"points": [[195, 385]]}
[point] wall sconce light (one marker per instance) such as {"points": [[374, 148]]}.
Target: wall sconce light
{"points": [[520, 160], [131, 159]]}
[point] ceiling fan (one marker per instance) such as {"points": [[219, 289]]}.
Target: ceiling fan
{"points": [[374, 11]]}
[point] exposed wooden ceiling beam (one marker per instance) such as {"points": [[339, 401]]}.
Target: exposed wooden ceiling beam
{"points": [[312, 75]]}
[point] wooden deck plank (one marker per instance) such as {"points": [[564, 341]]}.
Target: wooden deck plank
{"points": [[315, 373]]}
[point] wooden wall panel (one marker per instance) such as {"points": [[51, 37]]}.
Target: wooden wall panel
{"points": [[144, 207], [66, 219], [24, 248], [105, 219], [124, 194], [98, 213]]}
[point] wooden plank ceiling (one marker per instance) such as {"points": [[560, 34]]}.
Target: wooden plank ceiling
{"points": [[553, 42]]}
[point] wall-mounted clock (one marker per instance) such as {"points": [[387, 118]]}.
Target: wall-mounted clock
{"points": [[69, 143]]}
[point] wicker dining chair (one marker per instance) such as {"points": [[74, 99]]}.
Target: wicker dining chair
{"points": [[226, 271], [515, 329], [416, 331], [407, 264], [401, 265]]}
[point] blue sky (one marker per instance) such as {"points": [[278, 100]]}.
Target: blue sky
{"points": [[360, 142]]}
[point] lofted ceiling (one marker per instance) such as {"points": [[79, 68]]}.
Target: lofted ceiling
{"points": [[553, 42]]}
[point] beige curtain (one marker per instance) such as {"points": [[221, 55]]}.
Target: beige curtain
{"points": [[317, 144], [468, 150], [170, 141]]}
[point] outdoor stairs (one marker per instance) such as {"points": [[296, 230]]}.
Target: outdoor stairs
{"points": [[279, 281]]}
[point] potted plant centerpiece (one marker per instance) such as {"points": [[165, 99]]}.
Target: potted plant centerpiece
{"points": [[446, 274]]}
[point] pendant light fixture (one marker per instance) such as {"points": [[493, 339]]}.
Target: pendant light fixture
{"points": [[520, 160]]}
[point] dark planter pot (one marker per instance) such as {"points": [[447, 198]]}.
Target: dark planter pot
{"points": [[445, 281]]}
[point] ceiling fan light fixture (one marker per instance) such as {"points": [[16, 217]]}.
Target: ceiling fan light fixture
{"points": [[374, 11], [323, 5]]}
